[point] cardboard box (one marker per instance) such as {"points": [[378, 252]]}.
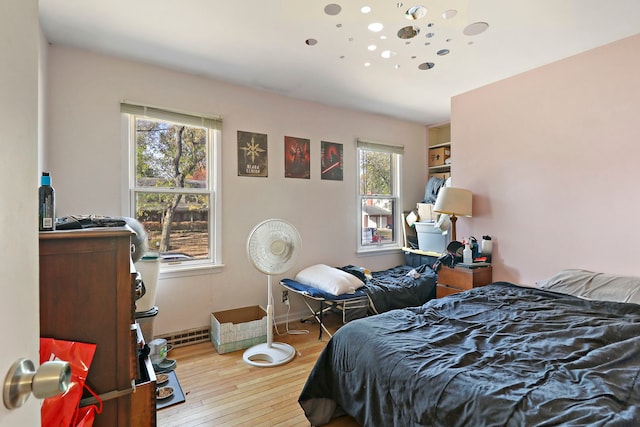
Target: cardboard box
{"points": [[239, 328], [426, 213], [437, 156]]}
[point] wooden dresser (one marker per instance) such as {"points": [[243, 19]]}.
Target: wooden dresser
{"points": [[458, 279], [87, 294]]}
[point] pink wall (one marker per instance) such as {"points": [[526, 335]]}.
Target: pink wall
{"points": [[553, 159]]}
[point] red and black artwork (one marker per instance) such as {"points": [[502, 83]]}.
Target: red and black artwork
{"points": [[331, 161], [297, 158]]}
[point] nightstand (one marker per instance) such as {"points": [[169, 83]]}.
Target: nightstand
{"points": [[459, 279]]}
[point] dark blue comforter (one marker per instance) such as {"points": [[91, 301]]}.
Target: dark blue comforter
{"points": [[392, 288], [501, 355]]}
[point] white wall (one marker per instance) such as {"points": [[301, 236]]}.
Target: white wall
{"points": [[85, 154], [552, 157]]}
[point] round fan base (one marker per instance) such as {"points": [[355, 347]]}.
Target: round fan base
{"points": [[266, 355]]}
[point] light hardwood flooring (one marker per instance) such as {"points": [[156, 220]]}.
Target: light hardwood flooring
{"points": [[222, 390]]}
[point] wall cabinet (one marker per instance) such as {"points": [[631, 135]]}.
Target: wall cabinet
{"points": [[439, 149], [87, 294]]}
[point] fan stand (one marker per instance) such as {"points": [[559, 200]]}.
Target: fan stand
{"points": [[269, 353]]}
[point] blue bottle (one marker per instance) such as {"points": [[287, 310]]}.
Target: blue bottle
{"points": [[46, 202]]}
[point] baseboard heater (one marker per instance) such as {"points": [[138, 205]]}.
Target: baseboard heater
{"points": [[188, 337]]}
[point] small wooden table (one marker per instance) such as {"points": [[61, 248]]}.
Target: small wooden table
{"points": [[459, 279]]}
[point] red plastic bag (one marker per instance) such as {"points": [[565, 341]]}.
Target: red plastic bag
{"points": [[61, 410]]}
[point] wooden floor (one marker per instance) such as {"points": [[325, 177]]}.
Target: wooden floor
{"points": [[222, 390]]}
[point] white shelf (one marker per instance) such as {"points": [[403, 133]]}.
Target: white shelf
{"points": [[440, 168], [443, 144]]}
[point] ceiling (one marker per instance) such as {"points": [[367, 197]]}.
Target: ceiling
{"points": [[269, 44]]}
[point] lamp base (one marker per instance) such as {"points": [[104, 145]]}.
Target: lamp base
{"points": [[453, 227]]}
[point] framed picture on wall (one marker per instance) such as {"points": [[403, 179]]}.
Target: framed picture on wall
{"points": [[253, 154], [331, 162], [297, 157]]}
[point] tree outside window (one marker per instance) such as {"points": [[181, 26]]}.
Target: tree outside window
{"points": [[172, 193]]}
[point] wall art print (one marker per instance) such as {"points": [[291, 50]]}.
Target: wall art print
{"points": [[331, 161], [297, 157], [253, 154]]}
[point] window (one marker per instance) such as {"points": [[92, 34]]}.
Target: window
{"points": [[173, 180], [379, 168]]}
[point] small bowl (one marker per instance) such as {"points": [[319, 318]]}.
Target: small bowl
{"points": [[164, 393], [162, 379]]}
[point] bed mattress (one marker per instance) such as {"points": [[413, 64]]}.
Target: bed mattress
{"points": [[501, 355]]}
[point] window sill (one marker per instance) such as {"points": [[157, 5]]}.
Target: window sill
{"points": [[178, 270], [386, 250]]}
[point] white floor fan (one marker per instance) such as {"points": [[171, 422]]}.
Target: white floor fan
{"points": [[272, 247]]}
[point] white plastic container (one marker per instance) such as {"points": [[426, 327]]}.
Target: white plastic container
{"points": [[467, 254], [149, 268], [487, 245], [158, 350], [430, 239]]}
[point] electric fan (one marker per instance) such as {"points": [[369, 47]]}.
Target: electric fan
{"points": [[272, 247]]}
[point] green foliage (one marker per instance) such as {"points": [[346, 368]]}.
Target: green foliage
{"points": [[376, 173], [169, 155]]}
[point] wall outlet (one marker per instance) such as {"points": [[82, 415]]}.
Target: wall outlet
{"points": [[285, 296]]}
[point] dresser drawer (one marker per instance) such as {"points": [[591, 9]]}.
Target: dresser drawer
{"points": [[464, 278]]}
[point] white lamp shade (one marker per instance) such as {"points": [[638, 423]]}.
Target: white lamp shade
{"points": [[453, 201]]}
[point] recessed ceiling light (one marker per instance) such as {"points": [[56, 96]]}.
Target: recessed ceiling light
{"points": [[376, 27], [448, 14], [415, 12], [386, 54], [311, 42], [408, 32], [365, 9], [332, 9], [426, 66], [372, 47], [475, 28]]}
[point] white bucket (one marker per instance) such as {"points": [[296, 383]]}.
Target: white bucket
{"points": [[430, 239], [149, 268]]}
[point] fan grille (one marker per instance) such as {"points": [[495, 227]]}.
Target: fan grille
{"points": [[273, 246]]}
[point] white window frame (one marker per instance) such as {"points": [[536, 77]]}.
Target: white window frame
{"points": [[396, 187], [129, 113]]}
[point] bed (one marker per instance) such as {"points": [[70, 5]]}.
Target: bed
{"points": [[397, 287], [500, 355]]}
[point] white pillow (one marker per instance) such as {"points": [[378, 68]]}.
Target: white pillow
{"points": [[329, 279], [590, 285]]}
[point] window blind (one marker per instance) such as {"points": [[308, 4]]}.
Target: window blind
{"points": [[377, 146], [171, 116]]}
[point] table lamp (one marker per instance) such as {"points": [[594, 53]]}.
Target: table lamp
{"points": [[455, 202]]}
